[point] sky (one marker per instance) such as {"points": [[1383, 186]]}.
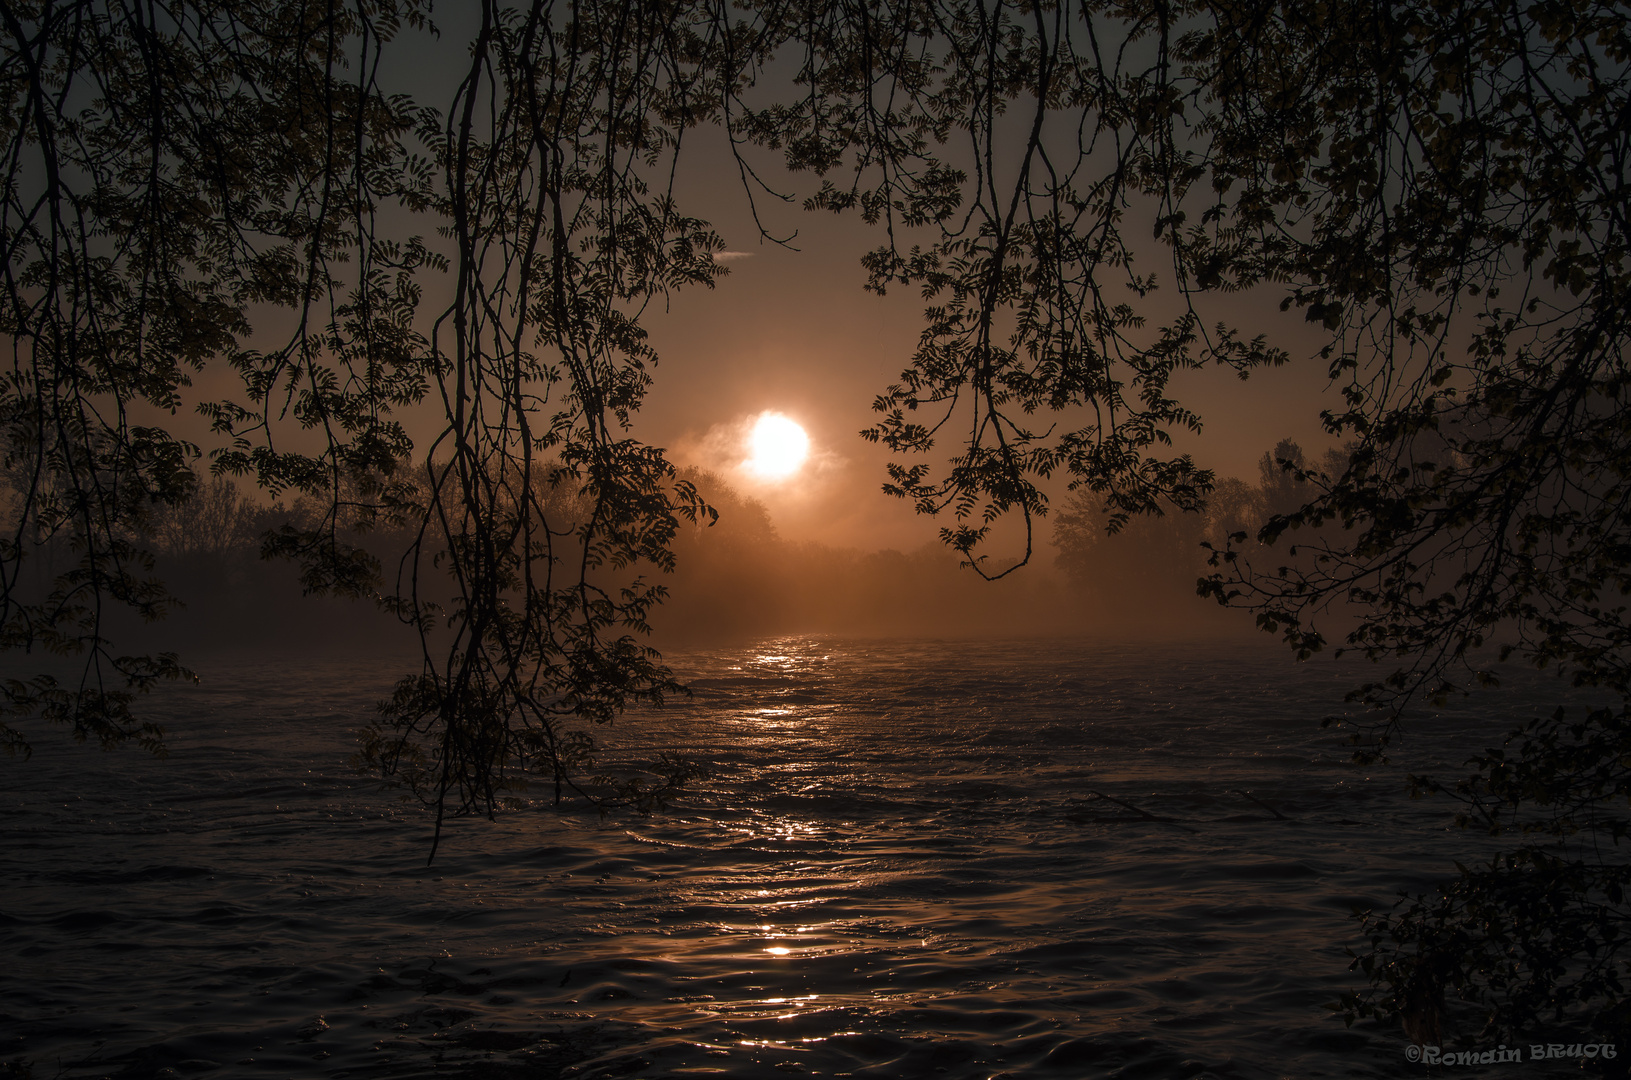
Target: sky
{"points": [[791, 331]]}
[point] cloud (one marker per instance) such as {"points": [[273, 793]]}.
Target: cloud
{"points": [[731, 256], [724, 449]]}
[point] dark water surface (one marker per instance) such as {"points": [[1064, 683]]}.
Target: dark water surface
{"points": [[895, 868]]}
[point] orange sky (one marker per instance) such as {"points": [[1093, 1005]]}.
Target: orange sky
{"points": [[792, 331]]}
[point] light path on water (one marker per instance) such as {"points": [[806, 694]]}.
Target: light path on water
{"points": [[898, 864]]}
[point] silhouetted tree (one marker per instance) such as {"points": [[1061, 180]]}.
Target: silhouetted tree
{"points": [[1147, 566], [166, 171], [230, 184], [1440, 188], [1279, 486], [214, 520], [1144, 569], [1457, 178]]}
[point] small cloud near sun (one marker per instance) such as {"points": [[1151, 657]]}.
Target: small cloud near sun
{"points": [[731, 256], [762, 451]]}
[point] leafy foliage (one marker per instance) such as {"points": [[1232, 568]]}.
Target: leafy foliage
{"points": [[184, 184], [161, 179], [1450, 200]]}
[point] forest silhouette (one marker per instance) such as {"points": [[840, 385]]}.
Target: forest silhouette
{"points": [[735, 578]]}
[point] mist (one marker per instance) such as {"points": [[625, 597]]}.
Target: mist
{"points": [[741, 577]]}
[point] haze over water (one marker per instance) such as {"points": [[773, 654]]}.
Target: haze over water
{"points": [[895, 867]]}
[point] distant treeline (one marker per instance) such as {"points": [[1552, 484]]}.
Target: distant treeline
{"points": [[211, 551], [1153, 561], [739, 577]]}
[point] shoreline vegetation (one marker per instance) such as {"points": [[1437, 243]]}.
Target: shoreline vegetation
{"points": [[734, 579]]}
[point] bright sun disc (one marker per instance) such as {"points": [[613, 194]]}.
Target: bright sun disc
{"points": [[777, 447]]}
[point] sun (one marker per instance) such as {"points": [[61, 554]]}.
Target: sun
{"points": [[777, 447]]}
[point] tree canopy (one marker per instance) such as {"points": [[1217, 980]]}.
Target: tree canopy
{"points": [[237, 188]]}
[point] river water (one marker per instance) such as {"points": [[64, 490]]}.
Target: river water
{"points": [[899, 864]]}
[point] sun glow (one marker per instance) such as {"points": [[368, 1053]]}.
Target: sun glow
{"points": [[777, 447]]}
